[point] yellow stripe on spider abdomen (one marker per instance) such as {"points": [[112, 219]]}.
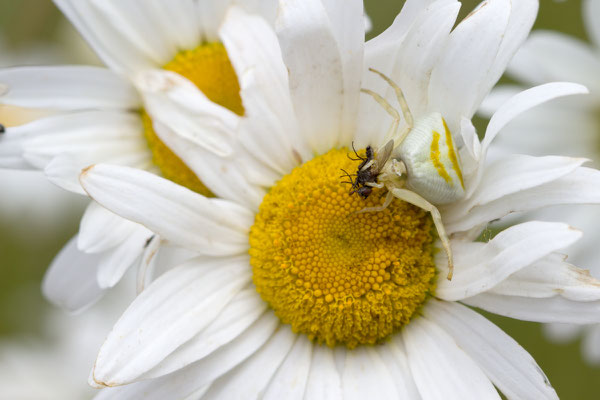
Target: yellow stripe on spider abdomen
{"points": [[434, 154], [452, 154], [431, 160]]}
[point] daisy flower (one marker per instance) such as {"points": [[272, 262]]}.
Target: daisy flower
{"points": [[568, 126], [293, 292], [27, 195], [91, 114]]}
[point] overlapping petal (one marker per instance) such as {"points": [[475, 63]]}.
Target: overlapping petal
{"points": [[209, 226], [167, 314]]}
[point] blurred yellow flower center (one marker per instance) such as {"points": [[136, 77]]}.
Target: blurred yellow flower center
{"points": [[339, 276], [209, 68]]}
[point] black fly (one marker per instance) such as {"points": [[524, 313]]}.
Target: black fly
{"points": [[366, 173]]}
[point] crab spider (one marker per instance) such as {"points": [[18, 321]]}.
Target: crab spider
{"points": [[418, 164]]}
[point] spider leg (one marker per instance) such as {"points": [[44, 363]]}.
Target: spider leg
{"points": [[375, 185], [399, 95], [415, 199], [388, 200]]}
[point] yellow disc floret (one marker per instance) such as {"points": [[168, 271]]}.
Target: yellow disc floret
{"points": [[209, 68], [339, 276]]}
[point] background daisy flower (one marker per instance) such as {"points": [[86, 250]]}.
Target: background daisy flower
{"points": [[371, 311], [568, 126], [28, 364], [92, 114]]}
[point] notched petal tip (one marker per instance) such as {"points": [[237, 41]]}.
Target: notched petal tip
{"points": [[584, 276], [85, 171], [476, 10], [92, 380]]}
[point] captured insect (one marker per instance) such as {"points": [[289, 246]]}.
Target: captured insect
{"points": [[364, 174], [418, 164]]}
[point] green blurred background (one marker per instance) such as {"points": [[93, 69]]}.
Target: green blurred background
{"points": [[33, 31]]}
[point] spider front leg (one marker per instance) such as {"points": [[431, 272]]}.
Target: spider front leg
{"points": [[392, 132], [415, 199], [388, 200]]}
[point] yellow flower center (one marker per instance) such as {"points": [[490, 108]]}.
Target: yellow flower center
{"points": [[209, 68], [336, 275]]}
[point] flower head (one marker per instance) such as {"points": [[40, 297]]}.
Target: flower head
{"points": [[293, 292], [86, 115]]}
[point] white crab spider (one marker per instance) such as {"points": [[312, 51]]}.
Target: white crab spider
{"points": [[418, 164]]}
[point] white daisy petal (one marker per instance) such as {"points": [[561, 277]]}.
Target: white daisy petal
{"points": [[171, 311], [249, 379], [237, 316], [177, 385], [346, 18], [67, 88], [324, 381], [11, 152], [381, 53], [549, 277], [519, 172], [137, 24], [82, 132], [209, 226], [272, 135], [181, 15], [420, 52], [412, 8], [470, 154], [119, 54], [198, 376], [497, 98], [409, 62], [290, 380], [553, 309], [504, 361], [558, 57], [579, 187], [312, 57], [435, 357], [70, 281], [591, 10], [459, 81], [396, 362], [101, 229], [518, 104], [512, 174], [114, 264], [226, 177], [479, 266], [63, 172], [367, 376], [210, 14], [147, 266], [522, 16], [227, 357], [176, 102]]}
